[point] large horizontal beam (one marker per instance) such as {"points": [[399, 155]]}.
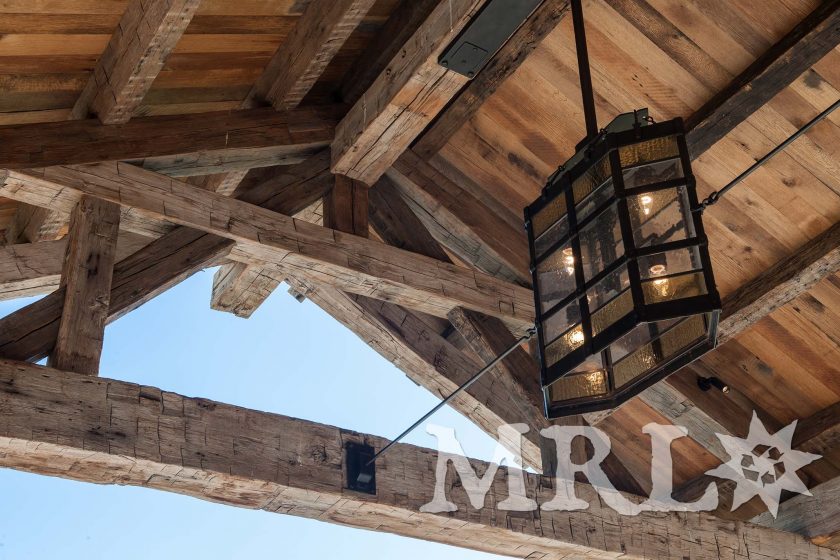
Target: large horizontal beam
{"points": [[351, 263], [816, 517], [178, 145], [112, 432]]}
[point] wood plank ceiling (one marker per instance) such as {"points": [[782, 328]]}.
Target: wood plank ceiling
{"points": [[671, 56]]}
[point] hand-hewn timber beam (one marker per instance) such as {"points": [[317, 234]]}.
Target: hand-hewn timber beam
{"points": [[816, 517], [801, 48], [112, 432], [539, 24], [32, 269], [240, 288], [460, 222], [86, 278], [136, 53], [29, 333], [348, 262], [316, 38], [346, 206], [31, 224], [179, 145], [404, 98]]}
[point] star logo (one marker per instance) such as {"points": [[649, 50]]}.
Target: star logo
{"points": [[763, 465]]}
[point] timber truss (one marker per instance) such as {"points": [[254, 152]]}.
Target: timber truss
{"points": [[343, 203]]}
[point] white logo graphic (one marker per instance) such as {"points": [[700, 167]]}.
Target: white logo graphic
{"points": [[763, 465]]}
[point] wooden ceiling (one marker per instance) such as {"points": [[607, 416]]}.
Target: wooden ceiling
{"points": [[458, 194]]}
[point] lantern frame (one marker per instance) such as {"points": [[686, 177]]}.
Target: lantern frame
{"points": [[625, 130]]}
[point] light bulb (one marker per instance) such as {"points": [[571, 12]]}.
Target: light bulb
{"points": [[647, 200], [569, 260], [576, 337], [663, 286]]}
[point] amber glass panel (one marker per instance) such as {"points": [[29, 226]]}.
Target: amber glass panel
{"points": [[577, 385], [653, 173], [600, 242], [555, 233], [609, 287], [661, 216], [597, 199], [593, 178], [560, 321], [612, 312], [650, 150], [560, 348], [639, 336], [556, 277], [670, 288], [550, 213], [683, 335]]}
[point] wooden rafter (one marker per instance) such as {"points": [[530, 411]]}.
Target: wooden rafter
{"points": [[107, 431], [86, 281], [346, 206], [538, 25], [814, 516], [179, 145], [404, 99], [136, 53]]}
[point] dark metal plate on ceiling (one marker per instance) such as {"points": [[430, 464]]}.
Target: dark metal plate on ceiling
{"points": [[486, 34]]}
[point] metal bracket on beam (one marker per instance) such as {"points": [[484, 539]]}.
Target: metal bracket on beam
{"points": [[485, 35], [360, 467]]}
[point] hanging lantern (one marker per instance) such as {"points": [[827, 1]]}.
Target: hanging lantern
{"points": [[622, 278]]}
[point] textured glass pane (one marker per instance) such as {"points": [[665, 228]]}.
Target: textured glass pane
{"points": [[555, 233], [670, 262], [593, 178], [661, 216], [550, 213], [613, 284], [556, 277], [639, 336], [669, 288], [560, 321], [649, 150], [594, 201], [560, 348], [600, 242], [653, 173], [616, 309], [681, 337], [578, 385]]}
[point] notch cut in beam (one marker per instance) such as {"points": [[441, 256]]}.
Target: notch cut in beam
{"points": [[267, 238], [130, 434]]}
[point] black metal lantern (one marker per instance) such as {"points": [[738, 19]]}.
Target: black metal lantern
{"points": [[622, 278]]}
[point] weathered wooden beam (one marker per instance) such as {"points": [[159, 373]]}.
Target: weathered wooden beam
{"points": [[31, 224], [112, 432], [29, 333], [397, 30], [32, 269], [460, 222], [348, 262], [404, 98], [346, 206], [801, 48], [178, 145], [318, 35], [816, 517], [135, 55], [222, 183], [240, 288], [467, 103], [86, 279]]}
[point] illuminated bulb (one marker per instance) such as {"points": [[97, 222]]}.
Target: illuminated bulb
{"points": [[569, 260], [663, 286], [576, 337], [646, 202]]}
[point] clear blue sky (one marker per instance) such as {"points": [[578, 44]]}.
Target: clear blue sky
{"points": [[288, 358]]}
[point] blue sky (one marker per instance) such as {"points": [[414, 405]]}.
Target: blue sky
{"points": [[289, 358]]}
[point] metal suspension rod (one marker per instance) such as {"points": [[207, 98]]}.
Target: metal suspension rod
{"points": [[525, 337], [715, 196], [583, 70]]}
